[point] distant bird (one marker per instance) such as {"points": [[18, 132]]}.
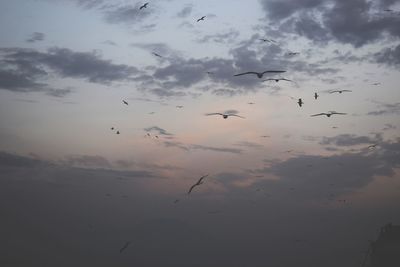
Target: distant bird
{"points": [[202, 18], [112, 128], [260, 74], [176, 201], [265, 136], [251, 103], [376, 84], [388, 10], [157, 55], [151, 113], [209, 72], [372, 146], [339, 91], [126, 103], [293, 53], [277, 80], [225, 116], [334, 127], [300, 102], [267, 40], [124, 247], [179, 106], [330, 113], [117, 132], [143, 6], [199, 182], [316, 95]]}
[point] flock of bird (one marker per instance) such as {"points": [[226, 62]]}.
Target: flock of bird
{"points": [[226, 115]]}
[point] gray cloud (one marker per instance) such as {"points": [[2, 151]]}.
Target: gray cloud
{"points": [[22, 70], [129, 14], [157, 129], [228, 37], [201, 147], [349, 140], [386, 109], [185, 12], [353, 22], [87, 161], [389, 56], [36, 37]]}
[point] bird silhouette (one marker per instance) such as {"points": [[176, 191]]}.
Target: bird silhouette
{"points": [[143, 6], [199, 182], [300, 102], [292, 53], [125, 102], [117, 132], [316, 95], [202, 18], [179, 106], [328, 114], [260, 74], [277, 80], [339, 91], [225, 116], [157, 55], [124, 247], [267, 40], [372, 146], [112, 128]]}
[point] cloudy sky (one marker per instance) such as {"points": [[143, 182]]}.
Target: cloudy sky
{"points": [[284, 188]]}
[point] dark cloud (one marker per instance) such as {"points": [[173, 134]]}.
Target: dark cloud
{"points": [[201, 147], [157, 129], [389, 56], [185, 12], [13, 160], [357, 22], [87, 161], [386, 109], [23, 70], [36, 37], [349, 140]]}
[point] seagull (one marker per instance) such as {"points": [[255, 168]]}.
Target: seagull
{"points": [[225, 116], [265, 136], [372, 146], [157, 55], [117, 132], [124, 247], [179, 106], [300, 102], [151, 113], [112, 128], [267, 40], [143, 6], [202, 18], [339, 91], [316, 95], [293, 53], [209, 72], [376, 84], [251, 103], [277, 80], [199, 182], [260, 74], [330, 113], [176, 201], [126, 103]]}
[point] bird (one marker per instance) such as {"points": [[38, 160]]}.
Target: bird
{"points": [[179, 106], [209, 72], [225, 116], [176, 201], [251, 103], [126, 103], [117, 132], [339, 91], [151, 113], [202, 18], [316, 95], [124, 247], [300, 102], [292, 53], [199, 182], [157, 55], [143, 6], [330, 113], [260, 74], [277, 79], [372, 146], [376, 84], [112, 128], [267, 40], [265, 136]]}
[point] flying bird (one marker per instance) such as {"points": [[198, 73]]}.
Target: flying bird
{"points": [[117, 132], [157, 55], [199, 182], [176, 201], [330, 113], [143, 6], [112, 128], [124, 247], [126, 103], [339, 91], [372, 146], [179, 106], [260, 74], [277, 80], [300, 102], [202, 18], [293, 53], [267, 40], [376, 84], [251, 103], [316, 95], [225, 116]]}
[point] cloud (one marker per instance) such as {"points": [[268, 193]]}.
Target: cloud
{"points": [[157, 129], [36, 37], [23, 70], [128, 14], [201, 147], [185, 12], [228, 37], [389, 56], [386, 109], [357, 22], [349, 140], [87, 161]]}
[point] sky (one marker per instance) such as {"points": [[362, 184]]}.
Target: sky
{"points": [[284, 188]]}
